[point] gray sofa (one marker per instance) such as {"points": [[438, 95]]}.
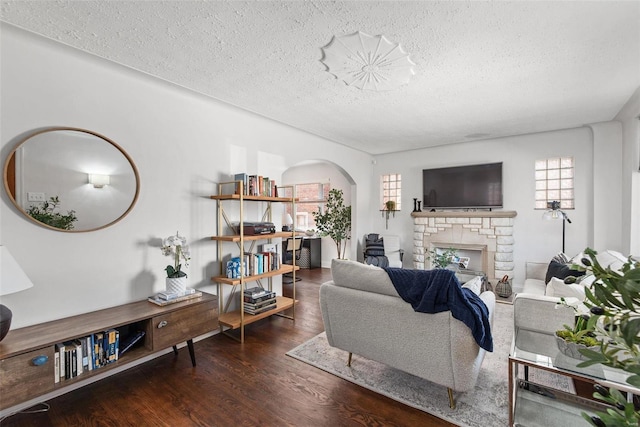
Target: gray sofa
{"points": [[363, 314]]}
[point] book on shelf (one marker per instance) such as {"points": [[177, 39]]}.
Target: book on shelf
{"points": [[98, 352], [260, 304], [260, 310], [129, 342], [256, 185], [257, 294], [245, 182], [162, 302], [260, 298], [60, 350], [56, 366], [112, 337]]}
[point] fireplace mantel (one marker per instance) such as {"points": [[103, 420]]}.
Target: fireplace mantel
{"points": [[465, 214]]}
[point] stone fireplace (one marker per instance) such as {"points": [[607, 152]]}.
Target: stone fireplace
{"points": [[485, 236]]}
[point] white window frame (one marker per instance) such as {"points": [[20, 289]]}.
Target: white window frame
{"points": [[391, 189], [555, 181]]}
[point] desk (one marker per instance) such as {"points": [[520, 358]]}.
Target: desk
{"points": [[311, 256]]}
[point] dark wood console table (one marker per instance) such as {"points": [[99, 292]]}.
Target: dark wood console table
{"points": [[27, 355]]}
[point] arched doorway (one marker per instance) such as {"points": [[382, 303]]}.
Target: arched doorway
{"points": [[321, 175]]}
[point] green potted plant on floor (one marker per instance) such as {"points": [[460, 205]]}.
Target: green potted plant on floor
{"points": [[335, 221], [614, 302]]}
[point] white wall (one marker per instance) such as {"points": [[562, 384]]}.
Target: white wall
{"points": [[629, 116], [535, 239], [182, 143], [607, 185]]}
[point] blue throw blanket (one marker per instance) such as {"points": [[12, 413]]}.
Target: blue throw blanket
{"points": [[433, 291]]}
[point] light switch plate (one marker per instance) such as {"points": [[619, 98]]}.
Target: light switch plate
{"points": [[35, 197]]}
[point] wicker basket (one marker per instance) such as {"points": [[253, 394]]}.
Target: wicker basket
{"points": [[503, 289]]}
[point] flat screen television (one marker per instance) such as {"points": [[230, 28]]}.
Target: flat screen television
{"points": [[463, 187]]}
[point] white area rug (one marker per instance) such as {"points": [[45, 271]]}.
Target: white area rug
{"points": [[487, 405]]}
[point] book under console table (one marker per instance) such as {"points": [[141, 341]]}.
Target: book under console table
{"points": [[27, 355]]}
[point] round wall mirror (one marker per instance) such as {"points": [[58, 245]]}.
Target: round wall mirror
{"points": [[71, 179]]}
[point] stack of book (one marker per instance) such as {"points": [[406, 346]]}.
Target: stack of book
{"points": [[256, 185], [258, 300], [165, 298]]}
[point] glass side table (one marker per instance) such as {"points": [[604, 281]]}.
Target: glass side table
{"points": [[533, 405]]}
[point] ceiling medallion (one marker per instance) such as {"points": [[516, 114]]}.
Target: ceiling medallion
{"points": [[368, 62]]}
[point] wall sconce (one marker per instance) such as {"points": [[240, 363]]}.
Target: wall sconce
{"points": [[99, 181]]}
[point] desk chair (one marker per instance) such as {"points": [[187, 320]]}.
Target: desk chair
{"points": [[292, 248]]}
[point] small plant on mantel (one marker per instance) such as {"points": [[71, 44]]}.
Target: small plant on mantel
{"points": [[441, 259]]}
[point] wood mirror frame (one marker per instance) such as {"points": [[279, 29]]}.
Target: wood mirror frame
{"points": [[63, 161]]}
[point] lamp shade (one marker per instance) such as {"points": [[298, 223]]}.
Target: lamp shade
{"points": [[12, 278], [287, 219], [552, 214]]}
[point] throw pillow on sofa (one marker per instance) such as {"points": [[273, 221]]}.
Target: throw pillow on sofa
{"points": [[557, 288], [557, 273], [561, 271], [475, 285]]}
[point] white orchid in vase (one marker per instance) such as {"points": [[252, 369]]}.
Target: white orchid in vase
{"points": [[177, 247]]}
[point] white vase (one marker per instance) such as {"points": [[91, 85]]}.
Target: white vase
{"points": [[176, 284]]}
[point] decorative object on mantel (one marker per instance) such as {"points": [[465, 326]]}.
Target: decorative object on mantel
{"points": [[176, 246], [368, 62], [554, 212], [503, 287], [335, 222], [13, 279], [416, 205]]}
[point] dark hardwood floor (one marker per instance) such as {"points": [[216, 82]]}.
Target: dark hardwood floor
{"points": [[250, 384]]}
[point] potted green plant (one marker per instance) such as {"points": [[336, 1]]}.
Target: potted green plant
{"points": [[335, 221], [46, 214], [581, 335], [441, 259], [614, 303]]}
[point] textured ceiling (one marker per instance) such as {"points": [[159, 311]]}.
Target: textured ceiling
{"points": [[482, 69]]}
